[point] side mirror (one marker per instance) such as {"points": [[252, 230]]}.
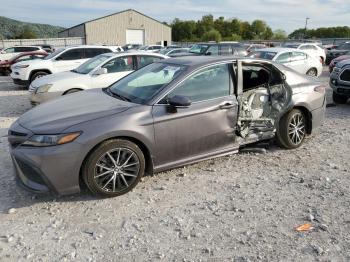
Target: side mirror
{"points": [[179, 101], [284, 77], [100, 71]]}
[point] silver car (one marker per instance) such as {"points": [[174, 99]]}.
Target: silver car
{"points": [[165, 115]]}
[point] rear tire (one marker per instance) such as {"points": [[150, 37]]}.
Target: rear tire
{"points": [[113, 168], [339, 99], [292, 129], [38, 75], [312, 72]]}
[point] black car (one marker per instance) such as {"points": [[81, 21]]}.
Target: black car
{"points": [[342, 49], [215, 49]]}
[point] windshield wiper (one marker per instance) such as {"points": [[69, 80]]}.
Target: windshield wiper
{"points": [[121, 97]]}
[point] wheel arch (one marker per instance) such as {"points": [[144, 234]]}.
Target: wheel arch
{"points": [[73, 88], [38, 70], [145, 150], [308, 117]]}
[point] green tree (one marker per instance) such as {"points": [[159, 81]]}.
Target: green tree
{"points": [[279, 34], [245, 31], [212, 35], [27, 33]]}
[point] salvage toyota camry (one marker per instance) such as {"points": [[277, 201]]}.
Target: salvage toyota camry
{"points": [[165, 115]]}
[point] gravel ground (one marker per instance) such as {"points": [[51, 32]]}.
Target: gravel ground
{"points": [[243, 207]]}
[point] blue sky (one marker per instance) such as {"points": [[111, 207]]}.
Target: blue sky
{"points": [[284, 14]]}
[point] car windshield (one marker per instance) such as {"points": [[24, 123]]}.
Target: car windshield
{"points": [[263, 55], [58, 51], [345, 46], [142, 85], [199, 49], [291, 45], [165, 51], [91, 64]]}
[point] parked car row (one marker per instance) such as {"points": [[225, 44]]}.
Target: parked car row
{"points": [[100, 71]]}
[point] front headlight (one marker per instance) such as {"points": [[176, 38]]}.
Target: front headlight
{"points": [[51, 140], [20, 66], [43, 88]]}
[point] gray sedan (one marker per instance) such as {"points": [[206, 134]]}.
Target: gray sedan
{"points": [[165, 115]]}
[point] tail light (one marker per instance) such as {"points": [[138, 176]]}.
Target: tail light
{"points": [[320, 89]]}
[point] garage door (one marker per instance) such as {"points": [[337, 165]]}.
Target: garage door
{"points": [[134, 36]]}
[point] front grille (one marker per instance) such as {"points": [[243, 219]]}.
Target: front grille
{"points": [[30, 172], [345, 75], [343, 91]]}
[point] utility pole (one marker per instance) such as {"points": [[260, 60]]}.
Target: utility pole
{"points": [[307, 19]]}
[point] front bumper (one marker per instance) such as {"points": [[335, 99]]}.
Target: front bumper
{"points": [[340, 87], [46, 169], [20, 82], [55, 169]]}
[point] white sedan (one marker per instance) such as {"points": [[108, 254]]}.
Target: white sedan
{"points": [[295, 59], [98, 72]]}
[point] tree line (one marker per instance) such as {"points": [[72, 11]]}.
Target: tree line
{"points": [[221, 29], [322, 32]]}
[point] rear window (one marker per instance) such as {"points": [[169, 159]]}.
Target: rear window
{"points": [[263, 55]]}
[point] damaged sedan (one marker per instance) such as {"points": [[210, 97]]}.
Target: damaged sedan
{"points": [[168, 114]]}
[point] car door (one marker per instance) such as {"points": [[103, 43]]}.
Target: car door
{"points": [[69, 60], [117, 68], [284, 58], [298, 62], [204, 128]]}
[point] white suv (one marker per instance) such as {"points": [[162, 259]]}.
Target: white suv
{"points": [[65, 59], [8, 53]]}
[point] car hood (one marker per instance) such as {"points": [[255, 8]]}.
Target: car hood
{"points": [[343, 63], [337, 52], [341, 58], [62, 77], [185, 54], [34, 62], [55, 116]]}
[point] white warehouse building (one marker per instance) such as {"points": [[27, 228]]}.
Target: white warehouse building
{"points": [[125, 27]]}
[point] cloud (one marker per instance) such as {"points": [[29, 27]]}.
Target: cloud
{"points": [[284, 14]]}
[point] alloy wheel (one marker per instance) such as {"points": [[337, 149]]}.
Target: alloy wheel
{"points": [[116, 170], [296, 128]]}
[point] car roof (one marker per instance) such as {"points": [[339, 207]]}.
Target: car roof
{"points": [[199, 61], [279, 49], [134, 52]]}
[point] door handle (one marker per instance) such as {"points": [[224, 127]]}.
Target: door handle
{"points": [[227, 105]]}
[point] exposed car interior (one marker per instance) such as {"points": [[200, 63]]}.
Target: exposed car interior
{"points": [[264, 98]]}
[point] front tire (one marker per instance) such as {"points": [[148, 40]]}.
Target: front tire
{"points": [[292, 129], [38, 75], [114, 168], [339, 99]]}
